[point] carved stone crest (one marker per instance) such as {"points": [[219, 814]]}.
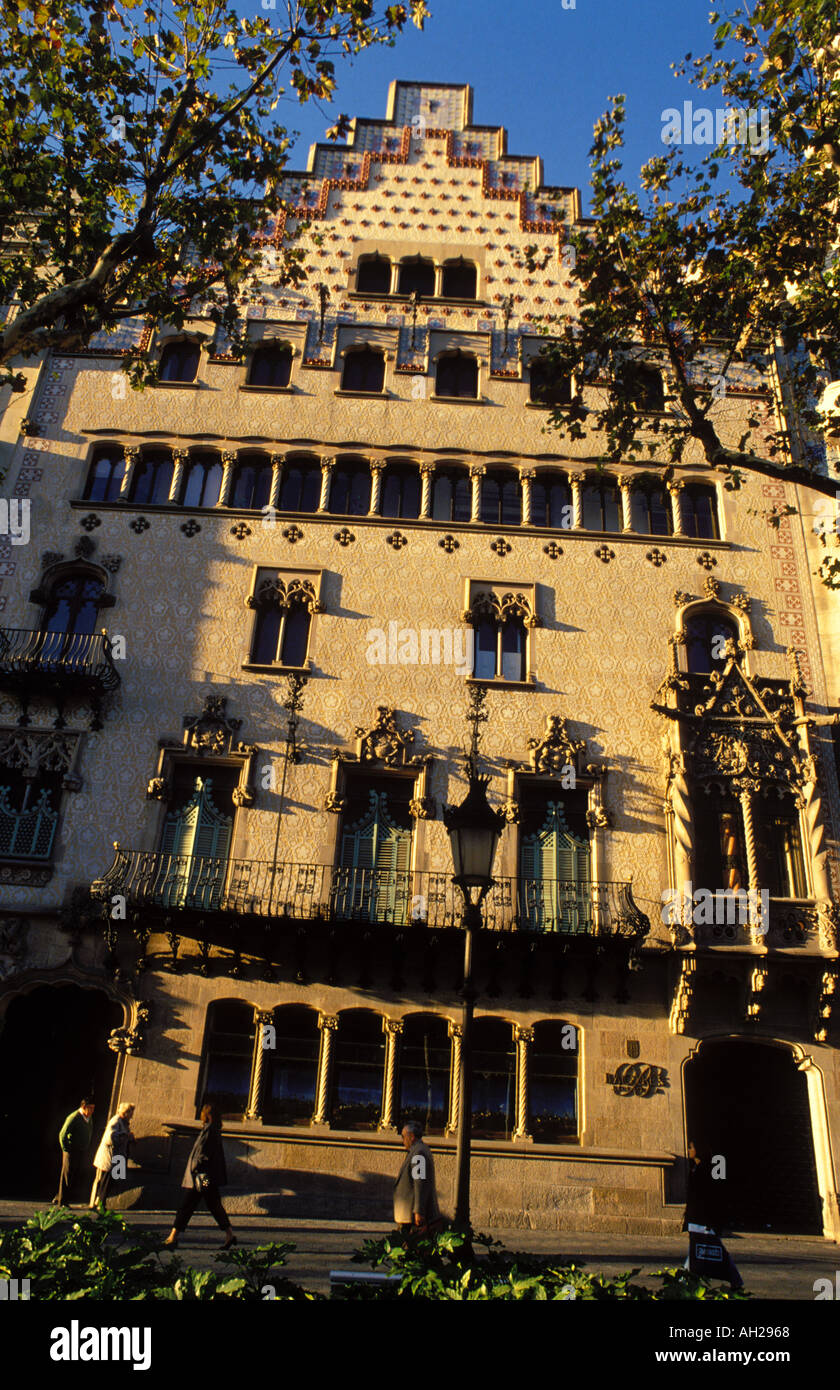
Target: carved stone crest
{"points": [[385, 741]]}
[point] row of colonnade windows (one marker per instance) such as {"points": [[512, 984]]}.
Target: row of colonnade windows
{"points": [[402, 489], [361, 1071]]}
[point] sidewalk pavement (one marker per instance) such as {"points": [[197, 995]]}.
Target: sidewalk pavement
{"points": [[771, 1266]]}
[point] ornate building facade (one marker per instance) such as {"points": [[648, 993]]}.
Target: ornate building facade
{"points": [[236, 660]]}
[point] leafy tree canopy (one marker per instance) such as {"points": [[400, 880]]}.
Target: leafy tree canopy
{"points": [[139, 153]]}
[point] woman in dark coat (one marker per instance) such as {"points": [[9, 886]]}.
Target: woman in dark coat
{"points": [[204, 1174], [703, 1214]]}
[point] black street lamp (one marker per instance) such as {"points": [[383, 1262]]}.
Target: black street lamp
{"points": [[474, 829]]}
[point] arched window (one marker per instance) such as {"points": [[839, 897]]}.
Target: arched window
{"points": [[106, 475], [501, 640], [602, 505], [457, 377], [451, 495], [350, 489], [228, 1053], [460, 280], [548, 386], [202, 481], [291, 1066], [179, 361], [73, 603], [300, 489], [554, 859], [374, 275], [359, 1057], [698, 506], [372, 882], [400, 492], [424, 1070], [551, 501], [283, 622], [251, 487], [553, 1082], [417, 276], [650, 509], [152, 479], [501, 498], [706, 635], [494, 1079], [364, 370], [271, 366]]}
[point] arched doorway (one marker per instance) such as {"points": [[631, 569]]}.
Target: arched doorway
{"points": [[748, 1101], [53, 1050]]}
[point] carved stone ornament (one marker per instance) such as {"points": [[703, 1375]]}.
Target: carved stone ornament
{"points": [[274, 592], [500, 607], [131, 1040], [13, 945], [385, 741], [422, 807], [157, 789], [32, 753], [643, 1079], [599, 818], [556, 749], [213, 731]]}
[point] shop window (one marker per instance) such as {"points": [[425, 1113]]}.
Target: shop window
{"points": [[553, 1082], [358, 1069], [494, 1079], [424, 1068], [228, 1055], [291, 1067]]}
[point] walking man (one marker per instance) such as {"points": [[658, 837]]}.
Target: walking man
{"points": [[74, 1141], [415, 1198]]}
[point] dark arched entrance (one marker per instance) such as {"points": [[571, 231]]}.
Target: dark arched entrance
{"points": [[748, 1101], [53, 1050]]}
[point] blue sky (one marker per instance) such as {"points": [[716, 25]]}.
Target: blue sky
{"points": [[542, 71]]}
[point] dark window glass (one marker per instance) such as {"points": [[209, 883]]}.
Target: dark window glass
{"points": [[28, 814], [602, 506], [551, 502], [698, 503], [105, 478], [251, 485], [706, 635], [782, 866], [291, 1067], [295, 636], [359, 1053], [459, 280], [228, 1054], [513, 650], [152, 480], [548, 386], [266, 635], [485, 650], [179, 362], [300, 490], [424, 1060], [552, 1082], [452, 495], [73, 605], [364, 370], [350, 490], [457, 377], [501, 499], [721, 860], [494, 1079], [650, 511], [270, 366], [202, 482], [417, 277], [400, 496], [374, 275]]}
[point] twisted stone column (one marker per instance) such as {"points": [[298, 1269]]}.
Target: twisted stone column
{"points": [[576, 481], [228, 464], [180, 458], [427, 471], [327, 466], [255, 1093], [527, 476], [456, 1032], [277, 461], [392, 1027], [625, 489], [683, 814], [132, 459], [524, 1037], [477, 471], [375, 486], [676, 510], [328, 1025]]}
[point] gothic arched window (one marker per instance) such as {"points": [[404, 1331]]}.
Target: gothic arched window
{"points": [[706, 635], [106, 475], [152, 479]]}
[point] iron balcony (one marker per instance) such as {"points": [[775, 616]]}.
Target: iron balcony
{"points": [[57, 664], [303, 892]]}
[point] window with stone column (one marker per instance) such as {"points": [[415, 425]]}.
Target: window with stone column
{"points": [[451, 494], [290, 1069], [357, 1070], [226, 1060], [553, 1064], [106, 475], [300, 488], [284, 603], [503, 620], [494, 1079], [151, 480], [251, 484], [424, 1072]]}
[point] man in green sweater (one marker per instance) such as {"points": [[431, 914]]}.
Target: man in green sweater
{"points": [[74, 1139]]}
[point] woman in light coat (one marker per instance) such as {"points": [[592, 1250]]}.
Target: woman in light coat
{"points": [[113, 1146]]}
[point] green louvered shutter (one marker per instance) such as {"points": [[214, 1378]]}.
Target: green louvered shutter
{"points": [[197, 839], [373, 878], [554, 876]]}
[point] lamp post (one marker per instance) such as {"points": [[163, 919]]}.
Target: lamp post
{"points": [[474, 829]]}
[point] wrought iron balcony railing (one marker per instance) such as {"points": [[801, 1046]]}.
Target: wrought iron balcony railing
{"points": [[33, 661], [246, 888]]}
